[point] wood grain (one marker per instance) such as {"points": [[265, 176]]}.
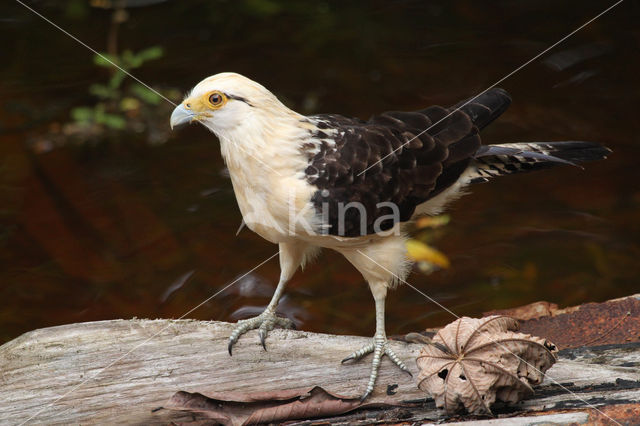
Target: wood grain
{"points": [[120, 370]]}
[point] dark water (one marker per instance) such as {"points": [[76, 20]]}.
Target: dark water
{"points": [[124, 223]]}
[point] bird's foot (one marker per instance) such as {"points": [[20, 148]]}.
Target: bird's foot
{"points": [[379, 347], [265, 322]]}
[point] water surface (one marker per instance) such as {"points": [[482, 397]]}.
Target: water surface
{"points": [[142, 222]]}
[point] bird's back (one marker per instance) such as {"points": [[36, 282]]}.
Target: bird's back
{"points": [[399, 159]]}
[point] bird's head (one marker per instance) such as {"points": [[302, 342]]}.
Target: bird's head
{"points": [[225, 103]]}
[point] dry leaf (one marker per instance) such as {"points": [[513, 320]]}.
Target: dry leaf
{"points": [[471, 363], [432, 221], [419, 251], [531, 311], [262, 407]]}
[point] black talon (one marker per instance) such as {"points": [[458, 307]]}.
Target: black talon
{"points": [[263, 337], [264, 322], [365, 396], [409, 373]]}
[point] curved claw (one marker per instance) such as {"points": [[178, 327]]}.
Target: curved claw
{"points": [[265, 322], [349, 358], [360, 353], [263, 337], [379, 347], [365, 396]]}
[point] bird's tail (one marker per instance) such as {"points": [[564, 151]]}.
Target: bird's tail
{"points": [[504, 159]]}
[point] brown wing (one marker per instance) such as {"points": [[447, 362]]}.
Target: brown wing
{"points": [[391, 160]]}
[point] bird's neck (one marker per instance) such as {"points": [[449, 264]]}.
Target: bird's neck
{"points": [[266, 166], [266, 143]]}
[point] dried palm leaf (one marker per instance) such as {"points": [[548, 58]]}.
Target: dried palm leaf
{"points": [[471, 363]]}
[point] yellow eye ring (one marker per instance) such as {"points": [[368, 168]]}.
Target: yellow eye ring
{"points": [[216, 99]]}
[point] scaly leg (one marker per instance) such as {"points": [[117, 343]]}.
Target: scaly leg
{"points": [[379, 346], [265, 322], [291, 256]]}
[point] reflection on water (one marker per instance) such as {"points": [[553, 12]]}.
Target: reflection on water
{"points": [[111, 224]]}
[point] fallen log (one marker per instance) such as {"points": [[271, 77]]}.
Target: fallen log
{"points": [[130, 371]]}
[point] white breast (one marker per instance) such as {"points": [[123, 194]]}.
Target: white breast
{"points": [[272, 194]]}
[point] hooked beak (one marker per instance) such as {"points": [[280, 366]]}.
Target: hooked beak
{"points": [[181, 117]]}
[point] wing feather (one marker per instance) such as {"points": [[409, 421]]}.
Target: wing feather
{"points": [[405, 165]]}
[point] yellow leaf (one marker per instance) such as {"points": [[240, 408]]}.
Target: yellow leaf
{"points": [[426, 267], [129, 104], [419, 251], [432, 221]]}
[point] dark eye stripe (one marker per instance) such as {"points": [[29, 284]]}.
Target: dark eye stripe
{"points": [[238, 98]]}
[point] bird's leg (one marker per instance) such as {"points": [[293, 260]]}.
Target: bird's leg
{"points": [[379, 346], [290, 258], [265, 322]]}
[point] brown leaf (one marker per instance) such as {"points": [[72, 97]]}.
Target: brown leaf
{"points": [[318, 403], [472, 362], [272, 407], [527, 312]]}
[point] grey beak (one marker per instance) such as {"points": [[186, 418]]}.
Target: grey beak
{"points": [[181, 117]]}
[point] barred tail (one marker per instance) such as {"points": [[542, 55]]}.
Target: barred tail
{"points": [[508, 158]]}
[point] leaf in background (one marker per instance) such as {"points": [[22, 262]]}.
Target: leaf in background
{"points": [[102, 62], [263, 8], [102, 91], [82, 115], [145, 94], [150, 53], [426, 267], [129, 104], [77, 9], [114, 121], [432, 221], [129, 60], [117, 79], [419, 251]]}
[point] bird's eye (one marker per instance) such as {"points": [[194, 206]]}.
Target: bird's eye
{"points": [[216, 99]]}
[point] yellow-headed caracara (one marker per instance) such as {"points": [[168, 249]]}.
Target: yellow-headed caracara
{"points": [[328, 181]]}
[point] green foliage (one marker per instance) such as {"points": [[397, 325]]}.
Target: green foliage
{"points": [[116, 97], [145, 94], [263, 8], [98, 115], [105, 60], [77, 9], [102, 91], [82, 114], [148, 54]]}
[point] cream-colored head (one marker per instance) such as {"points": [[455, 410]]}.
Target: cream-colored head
{"points": [[228, 102]]}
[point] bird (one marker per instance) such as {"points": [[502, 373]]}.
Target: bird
{"points": [[329, 181]]}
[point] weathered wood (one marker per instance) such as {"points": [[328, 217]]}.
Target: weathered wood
{"points": [[118, 371], [148, 361]]}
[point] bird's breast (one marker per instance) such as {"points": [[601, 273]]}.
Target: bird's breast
{"points": [[274, 205], [269, 182]]}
